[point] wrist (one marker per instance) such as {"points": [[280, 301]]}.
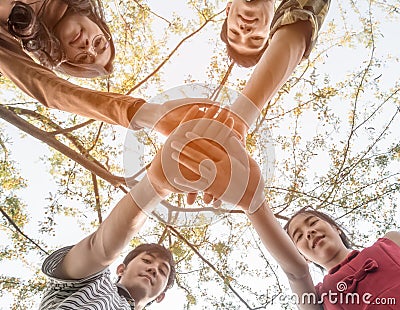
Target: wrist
{"points": [[255, 207], [146, 196], [245, 110], [146, 116]]}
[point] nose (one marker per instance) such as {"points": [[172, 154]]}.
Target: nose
{"points": [[310, 233], [88, 47], [245, 27], [152, 270]]}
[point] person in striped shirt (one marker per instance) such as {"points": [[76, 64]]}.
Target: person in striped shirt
{"points": [[79, 277]]}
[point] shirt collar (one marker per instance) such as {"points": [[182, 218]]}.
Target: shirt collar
{"points": [[122, 291]]}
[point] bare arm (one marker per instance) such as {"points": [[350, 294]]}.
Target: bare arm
{"points": [[394, 236], [278, 62], [226, 181], [281, 247], [101, 248], [55, 92]]}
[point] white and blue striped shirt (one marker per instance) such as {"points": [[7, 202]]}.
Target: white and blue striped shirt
{"points": [[96, 292]]}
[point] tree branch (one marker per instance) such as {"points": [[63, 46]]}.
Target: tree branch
{"points": [[10, 220], [171, 54]]}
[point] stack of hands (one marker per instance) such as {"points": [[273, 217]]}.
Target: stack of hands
{"points": [[203, 152]]}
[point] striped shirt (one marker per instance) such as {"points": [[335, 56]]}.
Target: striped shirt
{"points": [[96, 292], [292, 11]]}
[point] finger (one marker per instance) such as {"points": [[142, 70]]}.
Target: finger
{"points": [[223, 115], [202, 124], [215, 126], [217, 203], [225, 131], [195, 151], [198, 185], [237, 150], [207, 198], [206, 147], [202, 102], [187, 162], [191, 114], [191, 198]]}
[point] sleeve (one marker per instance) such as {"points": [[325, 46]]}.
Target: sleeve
{"points": [[292, 11], [58, 290], [53, 260], [57, 93]]}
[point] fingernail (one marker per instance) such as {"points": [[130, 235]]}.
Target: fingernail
{"points": [[175, 156]]}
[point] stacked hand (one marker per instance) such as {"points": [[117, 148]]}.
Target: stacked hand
{"points": [[204, 154]]}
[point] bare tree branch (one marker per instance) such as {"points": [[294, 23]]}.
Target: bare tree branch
{"points": [[10, 220], [172, 53]]}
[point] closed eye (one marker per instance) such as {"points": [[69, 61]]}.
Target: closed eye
{"points": [[299, 237]]}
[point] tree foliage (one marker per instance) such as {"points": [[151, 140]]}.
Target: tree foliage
{"points": [[333, 126]]}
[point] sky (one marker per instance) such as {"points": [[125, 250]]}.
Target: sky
{"points": [[27, 152]]}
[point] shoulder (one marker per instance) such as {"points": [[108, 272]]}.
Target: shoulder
{"points": [[394, 236]]}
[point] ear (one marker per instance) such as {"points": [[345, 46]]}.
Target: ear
{"points": [[160, 297], [120, 269], [228, 7]]}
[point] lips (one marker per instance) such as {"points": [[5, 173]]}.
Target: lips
{"points": [[316, 241], [148, 277], [247, 20]]}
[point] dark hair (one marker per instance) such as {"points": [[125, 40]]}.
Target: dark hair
{"points": [[245, 61], [160, 251], [325, 217], [27, 26]]}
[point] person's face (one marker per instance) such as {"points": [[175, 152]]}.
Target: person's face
{"points": [[317, 240], [248, 25], [145, 277], [82, 41]]}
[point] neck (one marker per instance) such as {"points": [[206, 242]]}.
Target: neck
{"points": [[337, 259]]}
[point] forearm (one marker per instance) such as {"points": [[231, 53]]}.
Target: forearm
{"points": [[277, 242], [101, 248], [54, 92], [274, 68], [281, 247]]}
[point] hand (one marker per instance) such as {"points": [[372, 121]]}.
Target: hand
{"points": [[210, 124], [167, 116], [235, 177]]}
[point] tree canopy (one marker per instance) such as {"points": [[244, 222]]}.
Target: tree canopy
{"points": [[333, 126]]}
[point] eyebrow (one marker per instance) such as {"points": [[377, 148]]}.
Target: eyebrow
{"points": [[305, 221], [164, 264]]}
